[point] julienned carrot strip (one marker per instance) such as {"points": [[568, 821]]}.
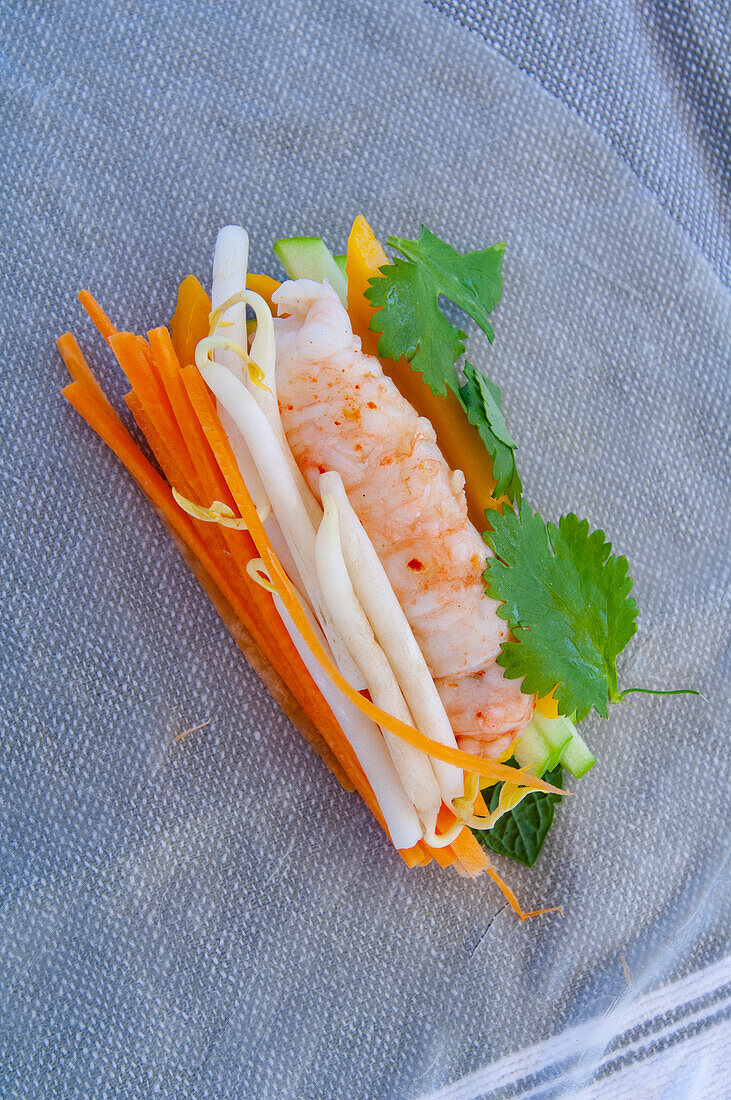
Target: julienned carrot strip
{"points": [[158, 448], [418, 856], [172, 455], [208, 532], [190, 434], [203, 405], [466, 848], [474, 860], [81, 372], [445, 821], [510, 896], [445, 857], [151, 392], [211, 480], [130, 352], [479, 804], [98, 316]]}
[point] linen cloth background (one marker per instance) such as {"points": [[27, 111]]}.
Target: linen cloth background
{"points": [[216, 917]]}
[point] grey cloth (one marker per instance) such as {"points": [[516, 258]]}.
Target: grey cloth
{"points": [[214, 917], [653, 78]]}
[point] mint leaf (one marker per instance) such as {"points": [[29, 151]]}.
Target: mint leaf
{"points": [[406, 296], [520, 833], [481, 401], [567, 599]]}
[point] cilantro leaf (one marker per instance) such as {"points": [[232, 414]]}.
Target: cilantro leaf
{"points": [[406, 297], [473, 281], [567, 599], [520, 833], [481, 401], [413, 325]]}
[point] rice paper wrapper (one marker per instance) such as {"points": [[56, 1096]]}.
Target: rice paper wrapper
{"points": [[215, 916]]}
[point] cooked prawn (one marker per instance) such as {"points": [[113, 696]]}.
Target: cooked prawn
{"points": [[340, 412]]}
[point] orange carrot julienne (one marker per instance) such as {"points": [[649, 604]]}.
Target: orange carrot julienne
{"points": [[474, 859], [238, 596], [221, 448], [210, 534], [445, 857], [470, 854], [418, 856], [81, 372], [131, 357], [479, 804], [212, 483], [172, 455], [510, 896], [96, 313], [151, 392], [154, 439]]}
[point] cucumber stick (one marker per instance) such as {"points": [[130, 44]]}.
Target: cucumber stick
{"points": [[531, 750], [557, 732], [567, 745], [310, 258], [577, 757], [541, 744], [546, 742]]}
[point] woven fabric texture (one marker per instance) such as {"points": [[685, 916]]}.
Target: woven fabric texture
{"points": [[215, 917], [654, 79]]}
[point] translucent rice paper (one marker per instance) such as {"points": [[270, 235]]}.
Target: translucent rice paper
{"points": [[216, 917]]}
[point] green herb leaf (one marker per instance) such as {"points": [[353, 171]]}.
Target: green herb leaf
{"points": [[520, 833], [406, 295], [567, 599], [413, 325], [481, 401]]}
